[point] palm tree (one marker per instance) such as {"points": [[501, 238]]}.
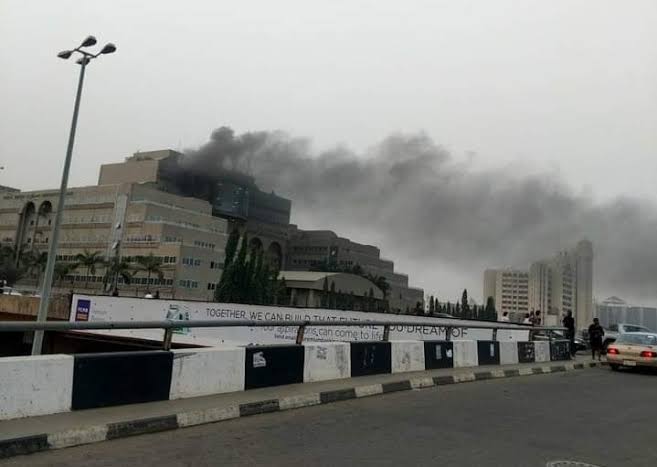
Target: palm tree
{"points": [[118, 267], [381, 282], [152, 265], [35, 263], [89, 260], [62, 270]]}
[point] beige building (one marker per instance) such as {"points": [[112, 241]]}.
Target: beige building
{"points": [[332, 290], [554, 286], [509, 289], [309, 248], [564, 283], [153, 202], [125, 220]]}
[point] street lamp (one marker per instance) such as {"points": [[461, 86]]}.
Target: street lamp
{"points": [[52, 249]]}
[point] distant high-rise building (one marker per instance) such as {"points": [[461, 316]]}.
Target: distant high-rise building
{"points": [[509, 289], [554, 286], [614, 311]]}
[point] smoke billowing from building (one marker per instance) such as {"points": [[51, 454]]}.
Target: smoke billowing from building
{"points": [[410, 196]]}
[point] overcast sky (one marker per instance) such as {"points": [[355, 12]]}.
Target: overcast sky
{"points": [[568, 86]]}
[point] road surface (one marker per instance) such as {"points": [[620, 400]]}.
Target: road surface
{"points": [[594, 416]]}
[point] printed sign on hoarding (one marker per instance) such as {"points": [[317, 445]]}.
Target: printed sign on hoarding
{"points": [[104, 308], [82, 309]]}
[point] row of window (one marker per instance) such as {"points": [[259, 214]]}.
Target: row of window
{"points": [[191, 261], [188, 284], [181, 223], [133, 281], [93, 219], [309, 249], [200, 244]]}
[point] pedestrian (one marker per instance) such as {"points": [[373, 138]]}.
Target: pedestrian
{"points": [[537, 318], [569, 324], [157, 295], [595, 337], [527, 319], [505, 317]]}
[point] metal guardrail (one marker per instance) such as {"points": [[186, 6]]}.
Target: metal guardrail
{"points": [[169, 325]]}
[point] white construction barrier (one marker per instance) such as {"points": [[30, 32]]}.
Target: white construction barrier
{"points": [[508, 353], [407, 356], [542, 351], [205, 371], [326, 360], [32, 386], [465, 353]]}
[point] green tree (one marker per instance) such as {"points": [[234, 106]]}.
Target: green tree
{"points": [[150, 264], [491, 313], [457, 310], [432, 308], [35, 264], [332, 298], [9, 272], [62, 270], [89, 260], [118, 267], [325, 293], [465, 306], [231, 247]]}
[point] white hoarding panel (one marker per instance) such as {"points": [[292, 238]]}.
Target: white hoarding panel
{"points": [[104, 308]]}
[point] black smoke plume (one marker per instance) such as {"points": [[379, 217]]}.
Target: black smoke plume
{"points": [[440, 216]]}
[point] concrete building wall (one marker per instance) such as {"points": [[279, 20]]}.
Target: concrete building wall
{"points": [[171, 227], [554, 286], [509, 288], [584, 292], [308, 249]]}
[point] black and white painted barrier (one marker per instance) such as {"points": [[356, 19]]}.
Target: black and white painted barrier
{"points": [[49, 384]]}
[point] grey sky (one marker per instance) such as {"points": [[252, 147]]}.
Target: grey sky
{"points": [[568, 87]]}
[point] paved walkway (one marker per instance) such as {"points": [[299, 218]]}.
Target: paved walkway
{"points": [[88, 426]]}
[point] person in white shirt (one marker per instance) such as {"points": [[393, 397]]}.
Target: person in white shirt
{"points": [[527, 319], [505, 317]]}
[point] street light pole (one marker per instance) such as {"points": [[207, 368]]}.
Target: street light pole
{"points": [[42, 315]]}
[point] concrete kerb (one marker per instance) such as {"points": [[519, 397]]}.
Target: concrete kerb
{"points": [[96, 433]]}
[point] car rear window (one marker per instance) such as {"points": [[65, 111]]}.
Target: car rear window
{"points": [[641, 339], [630, 328]]}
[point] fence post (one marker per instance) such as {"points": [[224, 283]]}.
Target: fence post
{"points": [[448, 333], [300, 333], [166, 342], [386, 333]]}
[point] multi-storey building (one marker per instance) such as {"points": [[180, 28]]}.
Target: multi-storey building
{"points": [[614, 311], [311, 248], [555, 286], [123, 220], [154, 202], [509, 289]]}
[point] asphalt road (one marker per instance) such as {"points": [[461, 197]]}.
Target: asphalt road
{"points": [[594, 416]]}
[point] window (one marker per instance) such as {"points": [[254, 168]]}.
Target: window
{"points": [[212, 286], [197, 262]]}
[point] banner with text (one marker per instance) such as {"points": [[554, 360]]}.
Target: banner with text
{"points": [[104, 308]]}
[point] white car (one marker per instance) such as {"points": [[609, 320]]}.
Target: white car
{"points": [[616, 330]]}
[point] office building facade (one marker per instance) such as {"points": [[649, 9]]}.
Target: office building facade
{"points": [[509, 289], [554, 286]]}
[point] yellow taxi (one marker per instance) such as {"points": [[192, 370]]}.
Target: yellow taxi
{"points": [[633, 349]]}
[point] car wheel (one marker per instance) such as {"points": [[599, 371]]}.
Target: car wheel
{"points": [[614, 366]]}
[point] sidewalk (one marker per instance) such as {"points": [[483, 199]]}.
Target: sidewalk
{"points": [[26, 435]]}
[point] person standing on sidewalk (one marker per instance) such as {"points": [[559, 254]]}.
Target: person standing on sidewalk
{"points": [[569, 324], [596, 332]]}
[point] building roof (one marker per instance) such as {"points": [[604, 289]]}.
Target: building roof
{"points": [[613, 300], [345, 283]]}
